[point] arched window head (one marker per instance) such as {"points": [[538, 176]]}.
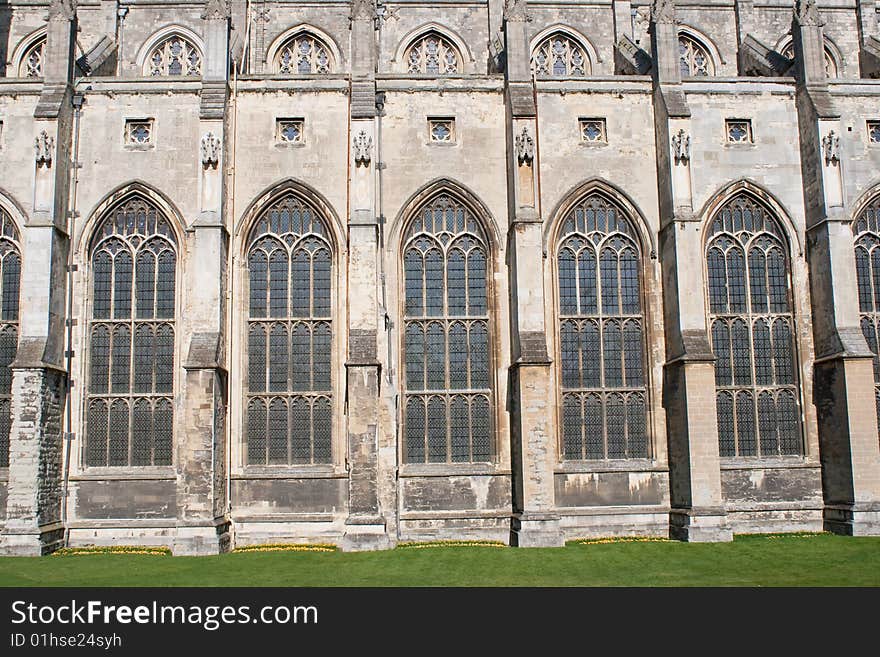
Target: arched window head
{"points": [[289, 414], [130, 396], [867, 247], [174, 56], [448, 397], [693, 57], [601, 334], [560, 56], [433, 54], [304, 54], [32, 61], [753, 332], [830, 64], [10, 286]]}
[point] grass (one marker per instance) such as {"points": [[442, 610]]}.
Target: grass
{"points": [[770, 560]]}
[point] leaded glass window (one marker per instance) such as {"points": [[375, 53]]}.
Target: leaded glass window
{"points": [[447, 338], [693, 58], [32, 63], [601, 334], [130, 396], [10, 285], [432, 54], [303, 54], [290, 333], [560, 56], [174, 56], [867, 246], [752, 332]]}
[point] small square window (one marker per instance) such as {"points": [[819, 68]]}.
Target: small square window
{"points": [[138, 132], [593, 131], [874, 132], [289, 131], [739, 131], [441, 130]]}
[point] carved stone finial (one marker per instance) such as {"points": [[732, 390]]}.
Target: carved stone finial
{"points": [[806, 13], [681, 147], [517, 11], [663, 11], [62, 9], [831, 148], [210, 150], [363, 149], [215, 10], [525, 147], [44, 147]]}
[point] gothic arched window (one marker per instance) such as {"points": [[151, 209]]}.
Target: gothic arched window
{"points": [[130, 398], [290, 336], [830, 63], [303, 54], [448, 389], [601, 334], [560, 56], [31, 65], [174, 56], [753, 336], [693, 57], [10, 284], [432, 54], [867, 246]]}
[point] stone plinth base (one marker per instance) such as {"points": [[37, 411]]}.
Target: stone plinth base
{"points": [[31, 541], [201, 540], [853, 519], [536, 530], [699, 526], [364, 534]]}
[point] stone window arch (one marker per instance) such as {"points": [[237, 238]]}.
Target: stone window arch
{"points": [[304, 53], [560, 55], [432, 53], [753, 332], [867, 251], [831, 67], [30, 64], [601, 328], [173, 55], [289, 398], [693, 57], [448, 391], [131, 343], [10, 288]]}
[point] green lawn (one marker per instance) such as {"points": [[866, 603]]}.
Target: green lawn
{"points": [[815, 560]]}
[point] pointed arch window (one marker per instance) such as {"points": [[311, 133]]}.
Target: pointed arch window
{"points": [[693, 57], [447, 337], [601, 334], [130, 398], [290, 336], [560, 56], [753, 332], [304, 54], [867, 248], [830, 63], [31, 65], [174, 56], [433, 54], [10, 288]]}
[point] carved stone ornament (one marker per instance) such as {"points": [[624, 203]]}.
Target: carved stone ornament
{"points": [[62, 9], [517, 11], [663, 11], [363, 147], [210, 150], [681, 147], [806, 13], [363, 9], [831, 148], [525, 147], [44, 146], [215, 10]]}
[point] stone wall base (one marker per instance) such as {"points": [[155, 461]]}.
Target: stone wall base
{"points": [[853, 520], [603, 522], [366, 533], [201, 540], [31, 541], [699, 526], [536, 530], [775, 521]]}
